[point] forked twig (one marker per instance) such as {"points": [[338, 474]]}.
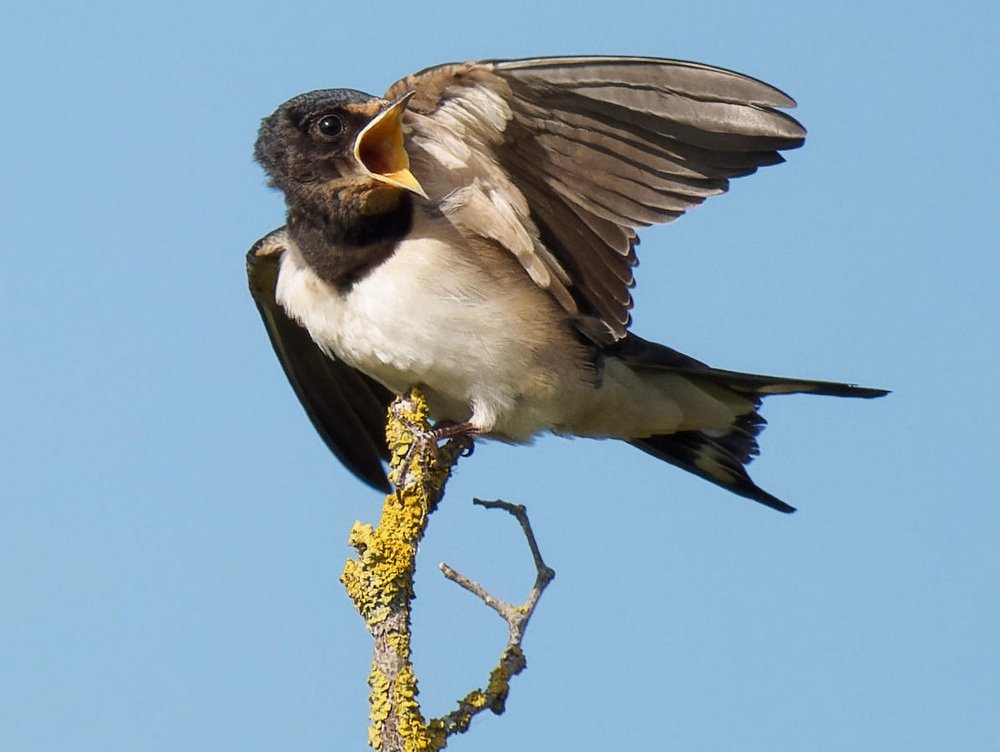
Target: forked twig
{"points": [[512, 661]]}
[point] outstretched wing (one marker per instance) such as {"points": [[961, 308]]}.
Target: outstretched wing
{"points": [[347, 408], [561, 160]]}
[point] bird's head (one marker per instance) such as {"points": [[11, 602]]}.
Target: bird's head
{"points": [[336, 139]]}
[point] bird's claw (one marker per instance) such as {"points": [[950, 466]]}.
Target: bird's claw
{"points": [[458, 438], [427, 446]]}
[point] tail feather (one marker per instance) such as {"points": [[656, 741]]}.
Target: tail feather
{"points": [[765, 386], [718, 460], [642, 354], [720, 457]]}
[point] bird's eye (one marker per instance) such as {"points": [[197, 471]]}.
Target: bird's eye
{"points": [[331, 125]]}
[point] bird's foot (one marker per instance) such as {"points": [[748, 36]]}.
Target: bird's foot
{"points": [[459, 441], [427, 447], [461, 437]]}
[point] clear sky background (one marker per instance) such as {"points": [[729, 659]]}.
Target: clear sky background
{"points": [[172, 530]]}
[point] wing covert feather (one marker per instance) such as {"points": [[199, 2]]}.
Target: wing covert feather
{"points": [[561, 160]]}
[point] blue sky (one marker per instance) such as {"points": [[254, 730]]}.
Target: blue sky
{"points": [[171, 529]]}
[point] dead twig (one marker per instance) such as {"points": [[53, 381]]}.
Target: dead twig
{"points": [[512, 661]]}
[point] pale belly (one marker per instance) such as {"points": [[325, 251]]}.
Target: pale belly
{"points": [[483, 341]]}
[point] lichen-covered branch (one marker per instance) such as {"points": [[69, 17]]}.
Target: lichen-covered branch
{"points": [[380, 582]]}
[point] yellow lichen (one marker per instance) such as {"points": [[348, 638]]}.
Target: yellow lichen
{"points": [[400, 643], [499, 684], [378, 698], [380, 580]]}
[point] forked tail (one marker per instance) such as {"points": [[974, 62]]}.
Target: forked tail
{"points": [[721, 457]]}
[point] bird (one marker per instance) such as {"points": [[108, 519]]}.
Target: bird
{"points": [[473, 232]]}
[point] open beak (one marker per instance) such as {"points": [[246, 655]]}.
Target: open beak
{"points": [[379, 148]]}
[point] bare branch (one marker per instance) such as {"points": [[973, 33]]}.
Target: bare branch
{"points": [[512, 661]]}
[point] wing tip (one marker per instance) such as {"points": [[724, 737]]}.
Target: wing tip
{"points": [[379, 484]]}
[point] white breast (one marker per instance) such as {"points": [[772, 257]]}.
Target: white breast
{"points": [[465, 323]]}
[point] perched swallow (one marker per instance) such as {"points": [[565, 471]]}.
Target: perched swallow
{"points": [[473, 232]]}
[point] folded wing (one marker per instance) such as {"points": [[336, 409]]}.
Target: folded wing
{"points": [[347, 408]]}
